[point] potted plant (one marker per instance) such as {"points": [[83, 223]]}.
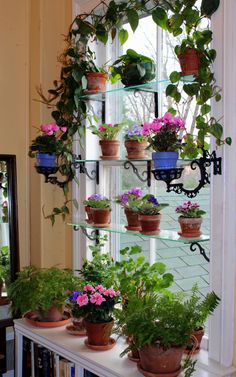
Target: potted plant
{"points": [[96, 304], [133, 69], [130, 200], [48, 146], [203, 309], [161, 325], [96, 77], [149, 214], [136, 142], [41, 291], [100, 208], [5, 273], [109, 145], [190, 219], [165, 135]]}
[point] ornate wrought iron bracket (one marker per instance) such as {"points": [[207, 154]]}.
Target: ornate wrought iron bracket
{"points": [[167, 175], [93, 236], [81, 165], [193, 247], [202, 163], [145, 176], [47, 171]]}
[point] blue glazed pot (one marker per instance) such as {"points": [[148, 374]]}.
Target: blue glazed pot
{"points": [[46, 160], [165, 160]]}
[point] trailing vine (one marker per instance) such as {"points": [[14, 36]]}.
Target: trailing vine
{"points": [[104, 22]]}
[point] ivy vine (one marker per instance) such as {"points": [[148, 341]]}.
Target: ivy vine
{"points": [[106, 20]]}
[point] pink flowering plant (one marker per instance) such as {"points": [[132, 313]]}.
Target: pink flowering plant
{"points": [[165, 133], [136, 132], [50, 141], [95, 303], [107, 131], [97, 201], [130, 199], [189, 209]]}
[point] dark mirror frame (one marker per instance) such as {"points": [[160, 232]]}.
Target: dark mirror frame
{"points": [[13, 244]]}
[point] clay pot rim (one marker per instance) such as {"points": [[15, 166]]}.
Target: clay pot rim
{"points": [[97, 74]]}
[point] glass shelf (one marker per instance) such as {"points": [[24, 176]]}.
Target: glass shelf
{"points": [[151, 87], [167, 235], [122, 161]]}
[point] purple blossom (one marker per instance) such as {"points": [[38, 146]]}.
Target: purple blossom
{"points": [[135, 191], [97, 197], [124, 198], [74, 295], [153, 200]]}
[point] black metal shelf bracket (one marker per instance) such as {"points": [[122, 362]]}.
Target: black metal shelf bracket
{"points": [[81, 165], [193, 247], [202, 164], [145, 176], [47, 171]]}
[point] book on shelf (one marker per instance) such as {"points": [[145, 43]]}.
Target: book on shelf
{"points": [[89, 374], [26, 357], [66, 368], [44, 362]]}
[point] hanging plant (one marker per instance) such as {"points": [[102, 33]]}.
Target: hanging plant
{"points": [[176, 17]]}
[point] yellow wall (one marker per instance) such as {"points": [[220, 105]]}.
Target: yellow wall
{"points": [[31, 38]]}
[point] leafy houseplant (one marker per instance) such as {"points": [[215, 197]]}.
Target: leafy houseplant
{"points": [[39, 290], [130, 201], [5, 273], [109, 145], [100, 210], [133, 69], [165, 135], [96, 305], [96, 77], [136, 142], [149, 214], [190, 219]]}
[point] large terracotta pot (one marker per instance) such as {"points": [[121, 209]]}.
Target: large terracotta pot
{"points": [[89, 213], [136, 150], [96, 82], [133, 220], [189, 62], [190, 226], [98, 333], [101, 217], [150, 224], [54, 314], [154, 359], [110, 149]]}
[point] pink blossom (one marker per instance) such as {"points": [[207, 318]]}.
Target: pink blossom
{"points": [[178, 121], [100, 288], [82, 300], [167, 117], [88, 288], [50, 128], [146, 128], [102, 129], [156, 125], [63, 129], [97, 299], [110, 292]]}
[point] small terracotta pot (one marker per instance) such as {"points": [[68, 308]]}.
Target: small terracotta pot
{"points": [[154, 359], [110, 149], [96, 81], [194, 346], [190, 226], [133, 220], [136, 150], [150, 224], [98, 333], [101, 217], [189, 62], [89, 214]]}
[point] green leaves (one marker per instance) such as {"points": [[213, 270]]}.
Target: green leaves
{"points": [[133, 19], [175, 76], [123, 36], [160, 17], [101, 33], [172, 91], [208, 7]]}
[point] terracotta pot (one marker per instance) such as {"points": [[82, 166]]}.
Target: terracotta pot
{"points": [[54, 314], [133, 220], [34, 319], [189, 62], [150, 224], [136, 149], [89, 214], [96, 81], [101, 217], [110, 149], [98, 333], [155, 359], [195, 341], [190, 226]]}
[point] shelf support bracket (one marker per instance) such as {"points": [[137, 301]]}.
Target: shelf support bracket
{"points": [[193, 247], [81, 165], [145, 176]]}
